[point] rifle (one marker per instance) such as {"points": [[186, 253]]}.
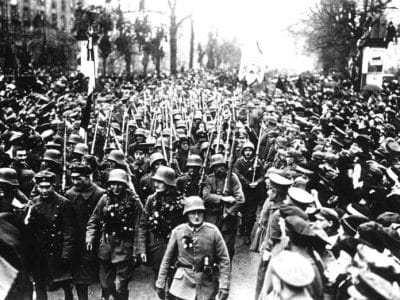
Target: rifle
{"points": [[227, 182], [94, 136], [108, 128], [228, 134], [257, 154], [203, 169], [64, 172]]}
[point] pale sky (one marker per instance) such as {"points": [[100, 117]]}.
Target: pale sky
{"points": [[265, 21]]}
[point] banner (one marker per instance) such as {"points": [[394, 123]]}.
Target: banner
{"points": [[88, 62], [372, 66], [252, 67]]}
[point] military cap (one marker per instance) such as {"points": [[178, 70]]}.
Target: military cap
{"points": [[357, 209], [393, 147], [27, 176], [351, 223], [372, 286], [287, 210], [299, 226], [304, 169], [388, 218], [79, 169], [363, 140], [45, 176], [379, 262], [47, 133], [373, 233], [279, 181], [293, 269], [53, 145], [300, 196]]}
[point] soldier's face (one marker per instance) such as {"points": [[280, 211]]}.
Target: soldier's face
{"points": [[79, 181], [220, 170], [45, 189], [185, 146], [139, 156], [159, 186], [116, 188], [20, 156], [193, 171], [248, 153], [196, 217]]}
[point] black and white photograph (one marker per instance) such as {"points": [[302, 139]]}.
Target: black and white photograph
{"points": [[199, 150]]}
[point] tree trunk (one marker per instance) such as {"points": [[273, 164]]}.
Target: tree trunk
{"points": [[128, 61], [191, 53], [158, 62], [145, 63], [173, 44], [104, 65]]}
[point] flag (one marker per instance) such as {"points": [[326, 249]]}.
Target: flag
{"points": [[91, 63]]}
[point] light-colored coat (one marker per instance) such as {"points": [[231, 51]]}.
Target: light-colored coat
{"points": [[188, 284]]}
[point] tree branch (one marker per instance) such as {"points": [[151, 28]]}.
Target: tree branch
{"points": [[183, 20]]}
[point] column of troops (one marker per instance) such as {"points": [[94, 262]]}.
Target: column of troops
{"points": [[175, 172]]}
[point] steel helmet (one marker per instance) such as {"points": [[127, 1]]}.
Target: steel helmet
{"points": [[156, 157], [52, 155], [247, 145], [8, 175], [215, 143], [166, 132], [180, 124], [193, 203], [81, 148], [217, 159], [75, 139], [118, 175], [117, 156], [140, 131], [194, 160], [165, 174]]}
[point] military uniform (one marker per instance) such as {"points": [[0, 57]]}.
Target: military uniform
{"points": [[146, 187], [115, 225], [190, 280], [187, 185], [84, 203], [162, 213], [224, 216], [253, 196], [53, 224]]}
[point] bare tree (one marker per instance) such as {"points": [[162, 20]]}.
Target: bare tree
{"points": [[173, 32]]}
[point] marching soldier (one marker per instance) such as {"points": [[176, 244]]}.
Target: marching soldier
{"points": [[253, 188], [84, 196], [189, 183], [138, 167], [162, 212], [12, 200], [52, 223], [199, 252], [223, 197], [146, 185], [113, 231]]}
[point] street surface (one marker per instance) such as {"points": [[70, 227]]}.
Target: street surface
{"points": [[243, 280]]}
